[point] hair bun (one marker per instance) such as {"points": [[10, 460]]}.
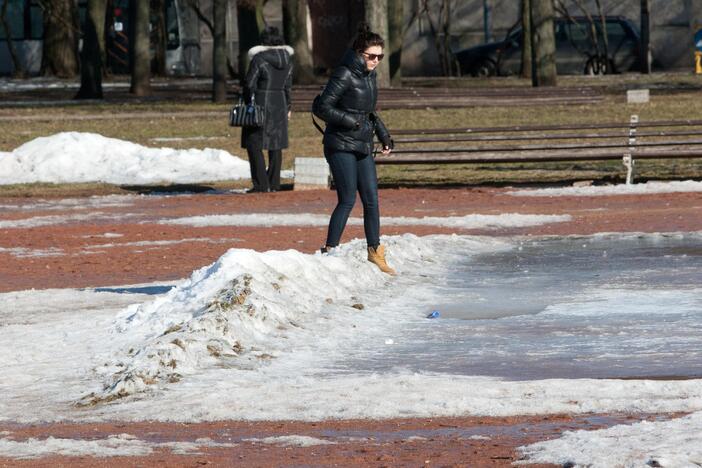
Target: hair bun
{"points": [[363, 28], [270, 36], [366, 38]]}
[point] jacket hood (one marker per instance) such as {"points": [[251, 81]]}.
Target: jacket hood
{"points": [[355, 63], [277, 56]]}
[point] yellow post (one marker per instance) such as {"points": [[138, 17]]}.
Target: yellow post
{"points": [[698, 62]]}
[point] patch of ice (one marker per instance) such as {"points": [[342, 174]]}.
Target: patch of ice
{"points": [[292, 441], [107, 235], [161, 243], [104, 201], [120, 445], [309, 219], [38, 221], [113, 446], [22, 252], [605, 190], [674, 443]]}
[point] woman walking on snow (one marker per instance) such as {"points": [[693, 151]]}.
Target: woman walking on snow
{"points": [[347, 105], [268, 81]]}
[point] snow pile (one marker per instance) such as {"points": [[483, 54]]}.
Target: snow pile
{"points": [[674, 443], [621, 189], [475, 221], [240, 311], [89, 157]]}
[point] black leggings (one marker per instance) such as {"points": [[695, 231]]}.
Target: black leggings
{"points": [[354, 172], [265, 179]]}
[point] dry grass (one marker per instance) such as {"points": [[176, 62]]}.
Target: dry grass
{"points": [[175, 121]]}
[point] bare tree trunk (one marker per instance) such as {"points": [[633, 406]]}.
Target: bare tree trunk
{"points": [[295, 31], [645, 36], [219, 51], [396, 36], [91, 56], [605, 38], [249, 16], [377, 19], [60, 53], [16, 62], [543, 43], [141, 68], [446, 38], [526, 39], [158, 37]]}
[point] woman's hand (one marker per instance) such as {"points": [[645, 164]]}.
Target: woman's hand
{"points": [[289, 114], [386, 150]]}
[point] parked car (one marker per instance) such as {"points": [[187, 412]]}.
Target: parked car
{"points": [[576, 50]]}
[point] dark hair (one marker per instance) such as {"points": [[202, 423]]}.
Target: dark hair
{"points": [[366, 38], [271, 37]]}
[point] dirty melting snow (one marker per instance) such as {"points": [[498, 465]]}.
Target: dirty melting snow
{"points": [[651, 187], [119, 445], [244, 310], [473, 221], [259, 336], [674, 443]]}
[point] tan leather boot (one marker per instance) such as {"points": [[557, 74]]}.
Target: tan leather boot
{"points": [[377, 256]]}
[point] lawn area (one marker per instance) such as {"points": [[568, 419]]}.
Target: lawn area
{"points": [[200, 124]]}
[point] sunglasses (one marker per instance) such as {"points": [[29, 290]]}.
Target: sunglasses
{"points": [[372, 57]]}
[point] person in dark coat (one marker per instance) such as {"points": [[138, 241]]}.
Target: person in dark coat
{"points": [[347, 105], [268, 80]]}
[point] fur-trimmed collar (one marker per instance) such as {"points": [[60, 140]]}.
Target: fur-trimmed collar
{"points": [[261, 48]]}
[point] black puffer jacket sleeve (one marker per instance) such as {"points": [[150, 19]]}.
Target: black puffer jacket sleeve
{"points": [[382, 131], [325, 107], [252, 75]]}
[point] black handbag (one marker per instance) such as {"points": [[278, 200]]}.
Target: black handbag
{"points": [[247, 115]]}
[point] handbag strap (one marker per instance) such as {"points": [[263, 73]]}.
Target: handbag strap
{"points": [[243, 103], [314, 122], [317, 125]]}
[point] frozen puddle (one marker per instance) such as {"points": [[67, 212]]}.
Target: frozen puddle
{"points": [[595, 307], [284, 335]]}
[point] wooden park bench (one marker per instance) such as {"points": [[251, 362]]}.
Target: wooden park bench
{"points": [[627, 142]]}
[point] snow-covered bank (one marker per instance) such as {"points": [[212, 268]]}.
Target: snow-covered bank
{"points": [[248, 307], [606, 190], [89, 157]]}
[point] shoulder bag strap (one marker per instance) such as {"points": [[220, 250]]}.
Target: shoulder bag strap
{"points": [[317, 125]]}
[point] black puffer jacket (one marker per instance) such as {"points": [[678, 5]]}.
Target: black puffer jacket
{"points": [[347, 105], [269, 80]]}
